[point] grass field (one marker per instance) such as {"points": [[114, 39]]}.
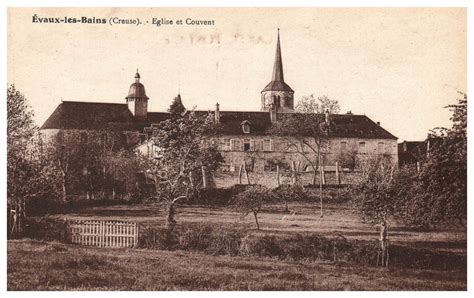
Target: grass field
{"points": [[337, 219], [51, 266], [34, 265]]}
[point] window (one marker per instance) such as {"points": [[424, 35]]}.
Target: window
{"points": [[380, 148], [257, 145], [227, 144], [276, 100], [245, 126], [236, 145], [267, 145], [246, 145], [362, 148], [343, 146]]}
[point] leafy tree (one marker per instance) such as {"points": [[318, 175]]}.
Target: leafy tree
{"points": [[91, 163], [177, 106], [186, 160], [251, 200], [438, 192], [319, 105], [374, 199], [373, 192], [29, 174]]}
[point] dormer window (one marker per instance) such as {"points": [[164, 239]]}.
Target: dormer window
{"points": [[245, 126]]}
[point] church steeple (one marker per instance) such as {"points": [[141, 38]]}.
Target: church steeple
{"points": [[277, 93], [278, 65]]}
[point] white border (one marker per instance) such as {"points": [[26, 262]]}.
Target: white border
{"points": [[230, 3]]}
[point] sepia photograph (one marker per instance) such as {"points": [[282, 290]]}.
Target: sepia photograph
{"points": [[236, 149]]}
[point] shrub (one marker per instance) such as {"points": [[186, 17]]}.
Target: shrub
{"points": [[214, 241], [157, 238], [264, 246], [47, 229], [218, 196]]}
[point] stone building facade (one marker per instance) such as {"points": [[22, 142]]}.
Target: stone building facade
{"points": [[251, 153]]}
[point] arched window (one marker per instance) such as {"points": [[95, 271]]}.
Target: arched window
{"points": [[277, 100]]}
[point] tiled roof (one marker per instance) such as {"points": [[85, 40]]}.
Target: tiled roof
{"points": [[277, 86], [92, 115], [86, 115]]}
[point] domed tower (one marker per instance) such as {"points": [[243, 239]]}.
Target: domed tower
{"points": [[277, 92], [137, 100]]}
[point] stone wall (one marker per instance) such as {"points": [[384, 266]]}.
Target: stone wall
{"points": [[269, 179]]}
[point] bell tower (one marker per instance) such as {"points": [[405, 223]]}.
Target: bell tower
{"points": [[277, 92], [137, 100]]}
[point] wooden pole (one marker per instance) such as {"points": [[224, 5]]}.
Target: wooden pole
{"points": [[204, 178], [293, 169], [278, 175], [338, 178], [240, 174], [320, 189]]}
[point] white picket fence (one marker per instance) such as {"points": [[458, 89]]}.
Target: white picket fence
{"points": [[104, 233]]}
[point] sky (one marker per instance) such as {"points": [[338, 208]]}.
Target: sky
{"points": [[399, 66]]}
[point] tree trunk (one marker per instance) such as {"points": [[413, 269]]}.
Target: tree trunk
{"points": [[170, 221], [247, 174], [191, 180], [256, 220], [323, 178], [286, 204], [383, 242], [64, 190]]}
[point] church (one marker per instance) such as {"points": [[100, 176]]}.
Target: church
{"points": [[252, 155]]}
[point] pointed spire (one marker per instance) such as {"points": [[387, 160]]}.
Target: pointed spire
{"points": [[278, 65]]}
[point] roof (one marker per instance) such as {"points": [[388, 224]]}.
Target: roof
{"points": [[97, 115], [89, 115], [278, 79], [137, 90], [277, 86], [342, 125]]}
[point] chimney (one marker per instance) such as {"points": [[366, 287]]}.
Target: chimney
{"points": [[273, 112], [217, 114], [378, 123], [326, 118]]}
